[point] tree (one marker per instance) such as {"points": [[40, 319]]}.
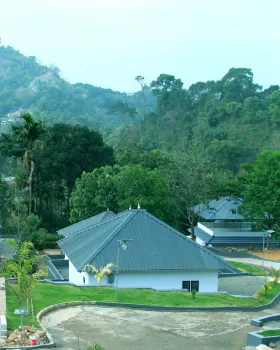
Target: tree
{"points": [[22, 268], [71, 150], [118, 188], [193, 179], [169, 92], [136, 184], [261, 194], [100, 273], [123, 110], [32, 133], [238, 84], [94, 192]]}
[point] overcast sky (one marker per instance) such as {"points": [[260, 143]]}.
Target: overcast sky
{"points": [[108, 42]]}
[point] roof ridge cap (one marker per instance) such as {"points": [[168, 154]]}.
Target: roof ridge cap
{"points": [[108, 239], [89, 228], [102, 213]]}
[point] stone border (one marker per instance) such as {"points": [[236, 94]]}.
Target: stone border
{"points": [[255, 339], [260, 321]]}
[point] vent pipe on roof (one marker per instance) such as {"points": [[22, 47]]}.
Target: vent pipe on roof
{"points": [[129, 207], [138, 206]]}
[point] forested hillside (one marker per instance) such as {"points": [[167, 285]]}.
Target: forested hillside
{"points": [[167, 148], [234, 118], [26, 85]]}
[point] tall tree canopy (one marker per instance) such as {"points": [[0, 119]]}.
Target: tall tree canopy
{"points": [[261, 194], [118, 188]]}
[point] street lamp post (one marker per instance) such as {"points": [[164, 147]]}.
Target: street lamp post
{"points": [[121, 244], [268, 235]]}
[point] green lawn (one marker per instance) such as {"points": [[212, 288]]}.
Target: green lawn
{"points": [[246, 268], [46, 294], [270, 333]]}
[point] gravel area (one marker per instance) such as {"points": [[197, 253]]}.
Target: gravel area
{"points": [[241, 285], [121, 329]]}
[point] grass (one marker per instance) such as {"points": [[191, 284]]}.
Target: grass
{"points": [[247, 268], [46, 294], [270, 333]]}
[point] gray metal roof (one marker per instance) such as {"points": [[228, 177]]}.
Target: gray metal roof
{"points": [[82, 225], [225, 208], [154, 245]]}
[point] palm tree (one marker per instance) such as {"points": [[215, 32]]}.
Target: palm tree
{"points": [[100, 273], [32, 133]]}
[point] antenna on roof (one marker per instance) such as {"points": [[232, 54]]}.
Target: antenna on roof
{"points": [[129, 207], [138, 206], [108, 209]]}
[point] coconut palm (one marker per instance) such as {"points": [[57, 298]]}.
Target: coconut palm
{"points": [[100, 273], [32, 133]]}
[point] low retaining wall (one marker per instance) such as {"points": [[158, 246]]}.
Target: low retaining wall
{"points": [[255, 339], [260, 321]]}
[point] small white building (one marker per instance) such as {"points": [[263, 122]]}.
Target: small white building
{"points": [[157, 256], [223, 226]]}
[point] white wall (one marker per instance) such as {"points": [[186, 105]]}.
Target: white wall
{"points": [[160, 280], [77, 277], [200, 241], [205, 229]]}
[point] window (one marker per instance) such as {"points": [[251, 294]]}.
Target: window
{"points": [[195, 285], [186, 285], [84, 280], [111, 278], [190, 285]]}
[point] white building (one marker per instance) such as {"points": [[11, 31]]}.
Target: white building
{"points": [[157, 256]]}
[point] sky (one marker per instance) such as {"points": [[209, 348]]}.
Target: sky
{"points": [[108, 43]]}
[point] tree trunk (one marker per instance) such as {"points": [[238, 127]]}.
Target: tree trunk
{"points": [[32, 167]]}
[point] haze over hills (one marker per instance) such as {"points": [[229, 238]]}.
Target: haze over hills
{"points": [[25, 84], [234, 117]]}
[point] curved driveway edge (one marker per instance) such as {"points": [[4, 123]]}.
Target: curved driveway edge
{"points": [[157, 307]]}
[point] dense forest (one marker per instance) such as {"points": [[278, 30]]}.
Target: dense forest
{"points": [[71, 151]]}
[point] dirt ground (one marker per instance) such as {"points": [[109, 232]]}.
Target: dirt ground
{"points": [[271, 254], [121, 329]]}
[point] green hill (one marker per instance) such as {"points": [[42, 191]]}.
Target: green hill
{"points": [[26, 85]]}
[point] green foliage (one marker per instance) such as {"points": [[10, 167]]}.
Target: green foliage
{"points": [[261, 192], [247, 268], [194, 293], [94, 193], [22, 269], [276, 274], [118, 188], [46, 294], [193, 178]]}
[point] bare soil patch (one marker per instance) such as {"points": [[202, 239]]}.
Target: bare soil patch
{"points": [[271, 254]]}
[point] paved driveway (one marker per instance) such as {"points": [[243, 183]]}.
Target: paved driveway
{"points": [[121, 329]]}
